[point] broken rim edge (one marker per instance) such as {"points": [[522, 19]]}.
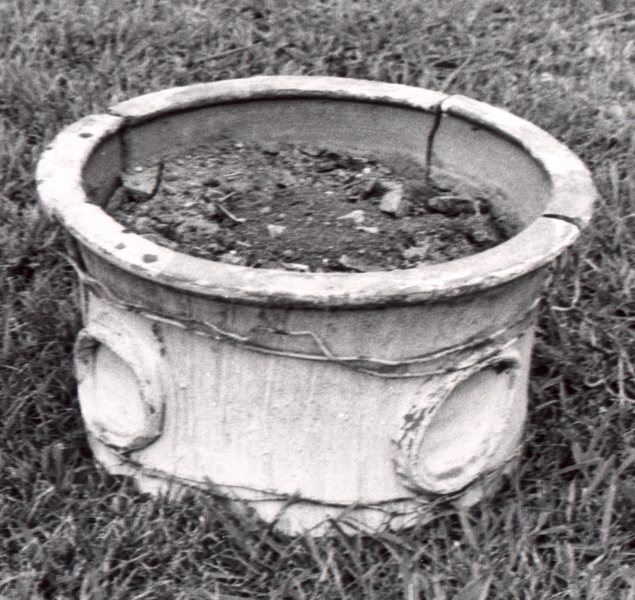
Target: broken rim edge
{"points": [[62, 193]]}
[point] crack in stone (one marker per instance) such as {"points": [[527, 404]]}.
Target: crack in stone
{"points": [[573, 220], [438, 111]]}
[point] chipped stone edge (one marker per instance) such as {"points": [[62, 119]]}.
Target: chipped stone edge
{"points": [[61, 191]]}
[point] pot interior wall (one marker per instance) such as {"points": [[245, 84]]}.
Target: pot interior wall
{"points": [[463, 152], [101, 173], [476, 155]]}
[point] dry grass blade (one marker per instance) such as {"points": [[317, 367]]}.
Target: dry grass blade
{"points": [[476, 589]]}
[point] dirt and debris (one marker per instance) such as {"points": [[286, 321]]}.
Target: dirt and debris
{"points": [[302, 208]]}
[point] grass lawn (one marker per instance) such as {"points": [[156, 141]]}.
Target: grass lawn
{"points": [[562, 527]]}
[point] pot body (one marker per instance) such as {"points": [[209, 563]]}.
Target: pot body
{"points": [[382, 407], [310, 396]]}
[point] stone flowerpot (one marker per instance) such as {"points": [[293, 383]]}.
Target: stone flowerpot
{"points": [[309, 395]]}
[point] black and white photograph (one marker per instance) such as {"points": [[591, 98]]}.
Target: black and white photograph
{"points": [[318, 300]]}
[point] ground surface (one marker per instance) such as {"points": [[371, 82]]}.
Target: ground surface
{"points": [[280, 206], [561, 527]]}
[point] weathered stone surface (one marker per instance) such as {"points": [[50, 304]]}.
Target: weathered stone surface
{"points": [[358, 264], [295, 267], [393, 201], [231, 258], [357, 216], [415, 252], [142, 185], [452, 205], [276, 231]]}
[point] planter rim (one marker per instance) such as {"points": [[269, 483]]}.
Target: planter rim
{"points": [[63, 195]]}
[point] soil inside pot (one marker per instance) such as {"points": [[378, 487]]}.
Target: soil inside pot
{"points": [[284, 206]]}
